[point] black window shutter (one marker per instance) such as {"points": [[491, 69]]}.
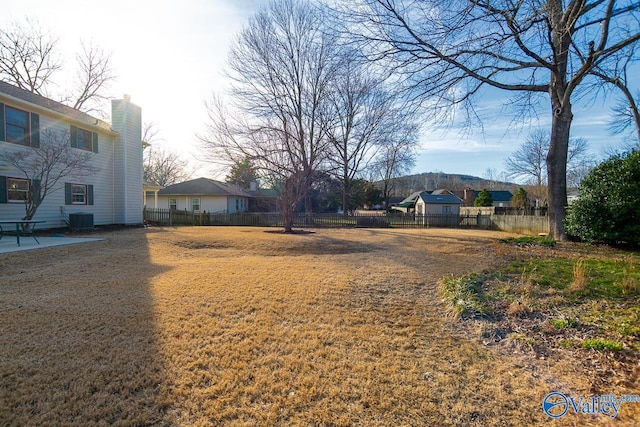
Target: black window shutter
{"points": [[3, 188], [1, 122], [67, 193], [35, 130], [95, 142], [90, 194], [74, 136], [36, 191]]}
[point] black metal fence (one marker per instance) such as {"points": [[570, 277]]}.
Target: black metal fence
{"points": [[374, 219]]}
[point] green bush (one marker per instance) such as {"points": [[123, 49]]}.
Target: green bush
{"points": [[520, 199], [608, 209], [484, 199]]}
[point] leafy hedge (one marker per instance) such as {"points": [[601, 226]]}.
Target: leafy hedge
{"points": [[608, 209]]}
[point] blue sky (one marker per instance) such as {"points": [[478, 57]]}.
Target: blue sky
{"points": [[169, 57], [453, 150]]}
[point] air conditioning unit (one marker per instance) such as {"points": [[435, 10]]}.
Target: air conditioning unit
{"points": [[81, 221]]}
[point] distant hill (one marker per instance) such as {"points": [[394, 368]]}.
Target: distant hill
{"points": [[405, 185]]}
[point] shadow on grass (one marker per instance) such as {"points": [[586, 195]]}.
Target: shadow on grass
{"points": [[79, 342]]}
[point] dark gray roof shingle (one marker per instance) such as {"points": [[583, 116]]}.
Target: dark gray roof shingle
{"points": [[440, 198], [52, 105], [497, 195], [204, 187]]}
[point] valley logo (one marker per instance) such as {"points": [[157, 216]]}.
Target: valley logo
{"points": [[557, 404]]}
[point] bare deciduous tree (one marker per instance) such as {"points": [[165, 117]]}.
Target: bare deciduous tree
{"points": [[626, 116], [150, 134], [395, 158], [28, 57], [495, 179], [447, 51], [527, 163], [45, 165], [93, 76], [164, 168], [30, 60], [363, 114], [280, 66]]}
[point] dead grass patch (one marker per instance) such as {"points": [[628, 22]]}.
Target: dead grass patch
{"points": [[234, 326], [550, 305], [579, 282]]}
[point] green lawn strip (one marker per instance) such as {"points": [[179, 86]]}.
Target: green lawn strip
{"points": [[606, 301], [606, 278], [530, 241]]}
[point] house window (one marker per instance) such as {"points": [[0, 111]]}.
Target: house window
{"points": [[195, 204], [78, 194], [17, 126], [84, 139], [237, 205], [446, 209], [17, 190], [173, 204]]}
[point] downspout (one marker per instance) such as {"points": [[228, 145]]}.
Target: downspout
{"points": [[113, 176]]}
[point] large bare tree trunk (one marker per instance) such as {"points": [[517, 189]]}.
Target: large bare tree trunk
{"points": [[557, 169], [560, 95], [306, 190], [526, 47], [289, 198]]}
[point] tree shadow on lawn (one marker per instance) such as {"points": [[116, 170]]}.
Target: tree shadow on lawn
{"points": [[79, 341]]}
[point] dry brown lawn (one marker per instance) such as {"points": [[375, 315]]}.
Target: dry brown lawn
{"points": [[241, 326]]}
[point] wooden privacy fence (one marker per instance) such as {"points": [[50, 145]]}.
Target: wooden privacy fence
{"points": [[375, 219], [523, 224]]}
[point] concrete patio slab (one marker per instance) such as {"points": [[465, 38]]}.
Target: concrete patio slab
{"points": [[8, 243]]}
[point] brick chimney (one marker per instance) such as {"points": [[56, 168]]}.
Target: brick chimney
{"points": [[469, 197]]}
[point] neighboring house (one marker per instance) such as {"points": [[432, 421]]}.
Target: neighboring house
{"points": [[204, 194], [150, 194], [394, 201], [263, 200], [501, 198], [113, 194], [438, 202], [407, 205]]}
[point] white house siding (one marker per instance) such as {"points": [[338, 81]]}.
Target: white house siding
{"points": [[50, 209], [102, 181], [128, 197], [214, 204], [117, 185], [237, 204], [208, 203], [436, 208]]}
